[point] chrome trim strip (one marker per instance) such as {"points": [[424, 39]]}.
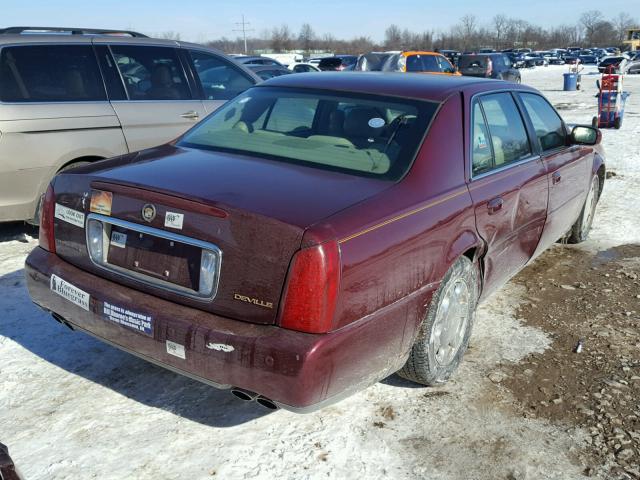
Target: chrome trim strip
{"points": [[146, 279], [507, 166]]}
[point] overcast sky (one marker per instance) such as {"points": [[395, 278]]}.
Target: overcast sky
{"points": [[200, 20]]}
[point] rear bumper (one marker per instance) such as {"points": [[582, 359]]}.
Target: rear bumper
{"points": [[298, 371]]}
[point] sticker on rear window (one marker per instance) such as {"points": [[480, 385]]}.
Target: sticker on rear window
{"points": [[119, 239], [176, 349], [128, 318], [174, 220], [70, 292], [101, 202], [482, 141], [69, 215], [376, 122]]}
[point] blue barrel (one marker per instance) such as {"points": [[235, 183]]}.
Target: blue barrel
{"points": [[570, 82]]}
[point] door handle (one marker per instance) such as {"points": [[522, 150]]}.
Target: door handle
{"points": [[191, 114], [495, 205], [556, 178]]}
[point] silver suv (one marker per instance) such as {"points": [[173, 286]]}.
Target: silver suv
{"points": [[71, 96]]}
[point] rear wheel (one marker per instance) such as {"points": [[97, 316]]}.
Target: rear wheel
{"points": [[580, 230], [444, 334], [617, 123]]}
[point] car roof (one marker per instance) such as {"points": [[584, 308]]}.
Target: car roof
{"points": [[405, 85], [419, 52]]}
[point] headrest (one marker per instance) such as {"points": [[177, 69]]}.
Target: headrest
{"points": [[357, 123], [161, 75]]}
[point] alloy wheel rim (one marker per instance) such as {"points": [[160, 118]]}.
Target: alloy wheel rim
{"points": [[450, 325]]}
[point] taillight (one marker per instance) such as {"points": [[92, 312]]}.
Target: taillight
{"points": [[47, 209], [309, 300]]}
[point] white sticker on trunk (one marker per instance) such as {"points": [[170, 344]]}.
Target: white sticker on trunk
{"points": [[69, 215], [119, 239], [220, 347], [176, 349], [174, 220], [70, 292]]}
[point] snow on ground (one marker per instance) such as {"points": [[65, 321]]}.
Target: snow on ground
{"points": [[74, 408]]}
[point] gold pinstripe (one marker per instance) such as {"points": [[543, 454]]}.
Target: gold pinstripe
{"points": [[404, 215]]}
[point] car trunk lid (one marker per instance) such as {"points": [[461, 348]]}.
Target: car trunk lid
{"points": [[251, 212]]}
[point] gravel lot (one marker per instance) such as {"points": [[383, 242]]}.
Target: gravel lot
{"points": [[522, 406]]}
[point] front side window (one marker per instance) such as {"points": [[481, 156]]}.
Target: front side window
{"points": [[508, 134], [151, 73], [220, 80], [444, 64], [360, 134], [546, 122], [51, 73]]}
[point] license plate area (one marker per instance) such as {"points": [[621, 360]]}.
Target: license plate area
{"points": [[161, 258], [154, 257]]}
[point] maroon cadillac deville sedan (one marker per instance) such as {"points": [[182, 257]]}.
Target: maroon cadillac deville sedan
{"points": [[317, 233]]}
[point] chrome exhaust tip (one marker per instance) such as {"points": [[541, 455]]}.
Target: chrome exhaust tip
{"points": [[266, 403], [244, 395]]}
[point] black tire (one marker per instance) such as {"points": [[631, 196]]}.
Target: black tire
{"points": [[617, 123], [580, 230], [594, 122], [422, 365]]}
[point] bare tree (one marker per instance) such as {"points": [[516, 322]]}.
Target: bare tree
{"points": [[468, 25], [500, 23], [621, 23], [281, 39], [393, 38], [306, 38], [170, 35], [590, 20]]}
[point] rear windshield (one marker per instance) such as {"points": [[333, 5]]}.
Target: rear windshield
{"points": [[332, 62], [422, 63], [472, 61], [360, 134]]}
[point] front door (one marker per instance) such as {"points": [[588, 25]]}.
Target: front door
{"points": [[161, 105], [508, 187], [568, 168]]}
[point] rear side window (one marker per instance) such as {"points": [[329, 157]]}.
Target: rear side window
{"points": [[52, 73], [151, 73], [507, 135], [546, 122], [220, 80]]}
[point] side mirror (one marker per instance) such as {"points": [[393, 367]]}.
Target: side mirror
{"points": [[583, 135]]}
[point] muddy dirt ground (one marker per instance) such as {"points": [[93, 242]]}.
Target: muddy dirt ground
{"points": [[590, 377]]}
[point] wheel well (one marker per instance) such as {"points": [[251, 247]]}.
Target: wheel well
{"points": [[80, 159]]}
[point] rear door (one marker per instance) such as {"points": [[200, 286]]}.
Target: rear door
{"points": [[508, 187], [53, 111], [160, 104], [568, 167], [218, 79]]}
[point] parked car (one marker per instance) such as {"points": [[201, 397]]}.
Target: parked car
{"points": [[613, 65], [337, 63], [419, 62], [452, 55], [265, 72], [552, 58], [588, 59], [8, 470], [517, 59], [256, 60], [68, 100], [372, 61], [537, 59], [222, 256], [633, 66], [303, 68], [571, 59], [488, 65]]}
